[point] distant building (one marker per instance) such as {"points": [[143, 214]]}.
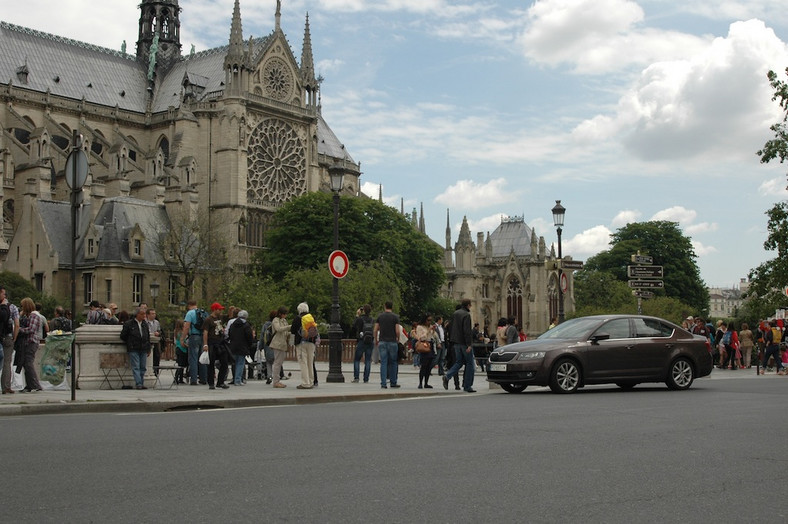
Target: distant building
{"points": [[725, 302], [231, 132], [509, 273]]}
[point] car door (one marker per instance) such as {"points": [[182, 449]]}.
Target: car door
{"points": [[654, 343], [609, 357]]}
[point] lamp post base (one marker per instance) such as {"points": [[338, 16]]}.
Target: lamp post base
{"points": [[335, 354]]}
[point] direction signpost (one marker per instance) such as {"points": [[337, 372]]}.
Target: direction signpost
{"points": [[642, 276]]}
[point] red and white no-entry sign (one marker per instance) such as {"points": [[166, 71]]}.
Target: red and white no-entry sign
{"points": [[338, 264]]}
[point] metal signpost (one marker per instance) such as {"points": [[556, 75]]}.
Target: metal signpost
{"points": [[644, 276], [76, 175]]}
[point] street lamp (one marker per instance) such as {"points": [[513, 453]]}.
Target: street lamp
{"points": [[336, 175], [558, 219], [154, 292]]}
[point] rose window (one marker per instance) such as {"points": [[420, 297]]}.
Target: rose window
{"points": [[276, 162]]}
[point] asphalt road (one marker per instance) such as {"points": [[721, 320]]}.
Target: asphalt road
{"points": [[715, 453]]}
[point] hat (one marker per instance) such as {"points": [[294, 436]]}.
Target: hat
{"points": [[243, 314], [690, 318], [94, 303], [303, 307], [216, 306]]}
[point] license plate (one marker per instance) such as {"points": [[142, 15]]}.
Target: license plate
{"points": [[497, 367]]}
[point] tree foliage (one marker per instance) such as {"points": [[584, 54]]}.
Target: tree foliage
{"points": [[777, 147], [301, 238], [667, 245], [18, 287]]}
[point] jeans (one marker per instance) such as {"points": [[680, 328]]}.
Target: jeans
{"points": [[137, 364], [238, 371], [195, 345], [463, 357], [772, 350], [440, 358], [388, 362], [2, 359], [365, 349]]}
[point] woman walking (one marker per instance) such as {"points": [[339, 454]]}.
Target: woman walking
{"points": [[281, 328], [747, 342], [425, 337]]}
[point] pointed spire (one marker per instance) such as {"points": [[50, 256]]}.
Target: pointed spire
{"points": [[448, 230], [307, 61], [236, 32], [422, 228], [278, 16], [380, 192]]}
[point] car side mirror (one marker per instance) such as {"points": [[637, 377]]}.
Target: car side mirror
{"points": [[599, 336]]}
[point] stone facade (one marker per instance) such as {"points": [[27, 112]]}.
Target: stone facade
{"points": [[231, 133], [508, 274]]}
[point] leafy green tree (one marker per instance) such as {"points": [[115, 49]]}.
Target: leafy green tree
{"points": [[600, 291], [18, 287], [768, 279], [667, 245], [301, 237]]}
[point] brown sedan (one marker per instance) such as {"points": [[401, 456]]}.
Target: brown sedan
{"points": [[620, 349]]}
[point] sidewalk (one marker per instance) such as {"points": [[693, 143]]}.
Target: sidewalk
{"points": [[254, 393]]}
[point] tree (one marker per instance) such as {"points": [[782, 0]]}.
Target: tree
{"points": [[768, 279], [667, 245], [18, 287], [598, 292], [301, 237]]}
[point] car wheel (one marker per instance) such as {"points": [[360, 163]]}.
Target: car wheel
{"points": [[681, 374], [565, 377], [626, 385], [513, 388]]}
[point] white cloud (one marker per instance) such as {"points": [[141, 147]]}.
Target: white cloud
{"points": [[627, 216], [703, 227], [702, 250], [588, 243], [484, 225], [467, 194], [597, 36], [676, 214], [773, 187]]}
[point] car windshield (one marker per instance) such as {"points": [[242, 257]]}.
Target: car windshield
{"points": [[575, 328]]}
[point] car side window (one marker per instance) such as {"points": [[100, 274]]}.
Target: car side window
{"points": [[617, 328], [651, 328]]}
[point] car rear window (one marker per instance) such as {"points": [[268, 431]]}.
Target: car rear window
{"points": [[650, 328]]}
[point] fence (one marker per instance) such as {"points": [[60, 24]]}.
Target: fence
{"points": [[348, 351]]}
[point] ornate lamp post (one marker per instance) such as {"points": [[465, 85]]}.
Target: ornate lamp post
{"points": [[558, 219], [336, 175]]}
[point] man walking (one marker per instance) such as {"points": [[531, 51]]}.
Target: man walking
{"points": [[386, 334], [462, 338], [136, 335]]}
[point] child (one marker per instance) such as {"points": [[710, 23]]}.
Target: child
{"points": [[181, 351]]}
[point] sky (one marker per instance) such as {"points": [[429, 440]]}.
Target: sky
{"points": [[626, 111]]}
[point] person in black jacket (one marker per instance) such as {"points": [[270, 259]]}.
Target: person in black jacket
{"points": [[136, 334], [462, 338], [241, 339]]}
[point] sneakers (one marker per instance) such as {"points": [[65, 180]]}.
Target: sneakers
{"points": [[279, 385], [355, 381], [301, 386]]}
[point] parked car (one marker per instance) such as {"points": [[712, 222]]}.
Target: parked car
{"points": [[625, 350]]}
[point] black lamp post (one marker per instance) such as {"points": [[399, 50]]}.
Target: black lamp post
{"points": [[336, 175], [558, 219]]}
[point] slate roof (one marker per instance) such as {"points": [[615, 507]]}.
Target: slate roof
{"points": [[72, 69], [56, 220], [512, 233], [118, 217], [328, 143]]}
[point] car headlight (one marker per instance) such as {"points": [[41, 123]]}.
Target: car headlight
{"points": [[531, 355]]}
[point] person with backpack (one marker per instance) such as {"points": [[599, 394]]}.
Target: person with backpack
{"points": [[9, 330], [772, 339], [364, 327], [192, 334], [304, 329]]}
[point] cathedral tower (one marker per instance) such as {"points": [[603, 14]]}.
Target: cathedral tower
{"points": [[159, 34]]}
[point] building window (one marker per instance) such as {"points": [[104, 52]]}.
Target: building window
{"points": [[87, 284], [109, 290], [172, 290], [137, 247], [91, 246], [39, 282], [137, 281]]}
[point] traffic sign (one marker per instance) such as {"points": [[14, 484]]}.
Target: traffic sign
{"points": [[78, 158], [338, 264], [644, 271], [564, 283], [646, 284], [642, 294], [571, 264], [642, 259]]}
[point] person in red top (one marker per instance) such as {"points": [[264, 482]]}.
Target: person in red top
{"points": [[29, 327]]}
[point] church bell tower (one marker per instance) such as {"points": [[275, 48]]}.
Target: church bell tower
{"points": [[159, 34]]}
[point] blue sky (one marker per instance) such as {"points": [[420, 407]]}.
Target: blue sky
{"points": [[625, 110]]}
